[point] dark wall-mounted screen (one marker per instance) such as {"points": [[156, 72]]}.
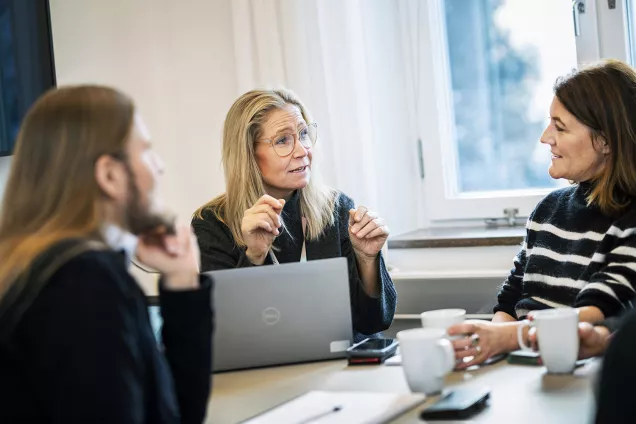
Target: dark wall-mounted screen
{"points": [[26, 63]]}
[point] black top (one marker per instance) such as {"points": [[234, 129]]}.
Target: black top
{"points": [[84, 350], [370, 314], [573, 256], [615, 403]]}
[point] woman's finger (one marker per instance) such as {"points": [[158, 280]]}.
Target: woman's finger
{"points": [[586, 332], [462, 329], [264, 217], [382, 231], [359, 225], [277, 204], [360, 213], [461, 354], [478, 359], [371, 226], [532, 338], [262, 225], [462, 344], [266, 208], [262, 221]]}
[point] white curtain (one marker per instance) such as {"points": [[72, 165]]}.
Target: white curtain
{"points": [[353, 64]]}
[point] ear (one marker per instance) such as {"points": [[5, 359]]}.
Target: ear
{"points": [[111, 177], [605, 149], [602, 145]]}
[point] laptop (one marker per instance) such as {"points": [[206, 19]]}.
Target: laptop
{"points": [[281, 314]]}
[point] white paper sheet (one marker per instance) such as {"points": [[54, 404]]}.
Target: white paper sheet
{"points": [[319, 407]]}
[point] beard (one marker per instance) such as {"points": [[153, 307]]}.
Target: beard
{"points": [[139, 217]]}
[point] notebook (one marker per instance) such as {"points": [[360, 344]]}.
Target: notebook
{"points": [[321, 407]]}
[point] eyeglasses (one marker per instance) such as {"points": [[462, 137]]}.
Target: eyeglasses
{"points": [[283, 144]]}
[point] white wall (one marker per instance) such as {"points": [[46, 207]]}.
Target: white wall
{"points": [[176, 59]]}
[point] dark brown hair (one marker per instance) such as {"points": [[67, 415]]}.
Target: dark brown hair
{"points": [[603, 98], [52, 193]]}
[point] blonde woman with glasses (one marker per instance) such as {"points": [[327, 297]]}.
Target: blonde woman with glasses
{"points": [[275, 211]]}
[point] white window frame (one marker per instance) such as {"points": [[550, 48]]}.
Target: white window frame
{"points": [[603, 34]]}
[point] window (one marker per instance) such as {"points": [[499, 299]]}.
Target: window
{"points": [[630, 23], [460, 88], [492, 65]]}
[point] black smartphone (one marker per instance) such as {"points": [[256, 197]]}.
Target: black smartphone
{"points": [[458, 404], [373, 348], [524, 357], [494, 359]]}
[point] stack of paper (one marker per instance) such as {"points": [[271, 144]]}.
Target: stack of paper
{"points": [[318, 407]]}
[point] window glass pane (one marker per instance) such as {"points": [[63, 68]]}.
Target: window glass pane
{"points": [[504, 57]]}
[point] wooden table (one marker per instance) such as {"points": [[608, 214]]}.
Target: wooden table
{"points": [[519, 394]]}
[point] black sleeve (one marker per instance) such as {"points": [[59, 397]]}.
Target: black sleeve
{"points": [[188, 323], [96, 361], [612, 323], [370, 314], [611, 288], [511, 290], [218, 249], [615, 397]]}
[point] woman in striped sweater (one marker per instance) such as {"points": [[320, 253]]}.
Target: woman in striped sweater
{"points": [[580, 245]]}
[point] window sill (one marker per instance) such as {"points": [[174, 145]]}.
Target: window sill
{"points": [[461, 275], [458, 237], [417, 317]]}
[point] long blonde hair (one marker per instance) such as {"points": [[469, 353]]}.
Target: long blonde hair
{"points": [[52, 194], [243, 178]]}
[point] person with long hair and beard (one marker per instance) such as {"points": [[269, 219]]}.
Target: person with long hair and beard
{"points": [[76, 344]]}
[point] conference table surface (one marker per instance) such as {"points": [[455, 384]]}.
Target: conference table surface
{"points": [[519, 393]]}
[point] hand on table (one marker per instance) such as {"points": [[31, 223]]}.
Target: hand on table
{"points": [[592, 340], [481, 340]]}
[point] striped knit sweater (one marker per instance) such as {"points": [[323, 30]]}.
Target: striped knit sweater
{"points": [[573, 255]]}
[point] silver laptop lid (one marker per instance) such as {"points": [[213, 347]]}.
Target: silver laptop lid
{"points": [[272, 315]]}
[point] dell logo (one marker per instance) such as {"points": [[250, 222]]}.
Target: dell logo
{"points": [[271, 316]]}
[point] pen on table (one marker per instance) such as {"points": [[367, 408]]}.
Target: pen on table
{"points": [[321, 415]]}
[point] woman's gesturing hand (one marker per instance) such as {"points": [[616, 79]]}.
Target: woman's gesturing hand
{"points": [[260, 226]]}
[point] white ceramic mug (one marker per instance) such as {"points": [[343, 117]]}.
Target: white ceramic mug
{"points": [[442, 318], [558, 338], [427, 356]]}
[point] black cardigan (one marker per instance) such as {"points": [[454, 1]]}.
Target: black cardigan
{"points": [[84, 350], [370, 315]]}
